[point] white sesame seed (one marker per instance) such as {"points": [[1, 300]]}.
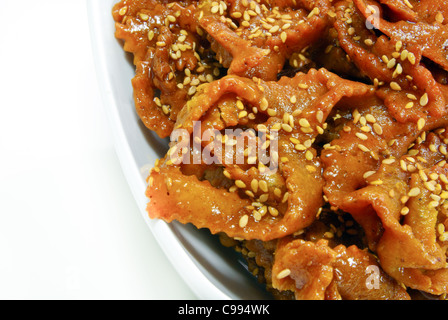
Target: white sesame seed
{"points": [[240, 184], [424, 100], [421, 123], [395, 86], [263, 185], [283, 274], [361, 136], [264, 104], [243, 221], [414, 192]]}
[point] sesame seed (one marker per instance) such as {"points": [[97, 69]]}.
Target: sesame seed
{"points": [[441, 228], [388, 161], [421, 123], [368, 174], [285, 197], [408, 4], [243, 221], [271, 112], [123, 11], [286, 127], [409, 105], [411, 96], [283, 274], [423, 175], [361, 136], [233, 188], [304, 123], [399, 69], [144, 16], [424, 100], [370, 118], [391, 63], [309, 155], [294, 140], [274, 29], [293, 99], [264, 197], [171, 18], [363, 148], [151, 35], [365, 129], [240, 184], [227, 174], [263, 185], [166, 109], [403, 165], [192, 90], [273, 211], [237, 15], [368, 42], [404, 211], [414, 192], [264, 104], [151, 181], [313, 12], [254, 185], [320, 116], [395, 86], [242, 114], [444, 237], [433, 204], [283, 36], [329, 235], [296, 112], [429, 186], [411, 58]]}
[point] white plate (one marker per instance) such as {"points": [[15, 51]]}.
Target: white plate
{"points": [[212, 271]]}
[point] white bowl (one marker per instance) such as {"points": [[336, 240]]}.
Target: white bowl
{"points": [[210, 270]]}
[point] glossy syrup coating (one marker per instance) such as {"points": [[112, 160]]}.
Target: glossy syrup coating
{"points": [[347, 98]]}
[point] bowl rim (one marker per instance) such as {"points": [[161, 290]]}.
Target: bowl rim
{"points": [[165, 236]]}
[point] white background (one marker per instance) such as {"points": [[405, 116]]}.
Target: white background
{"points": [[69, 226]]}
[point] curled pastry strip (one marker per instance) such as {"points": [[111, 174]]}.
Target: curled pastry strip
{"points": [[255, 40], [293, 194], [368, 135], [304, 268], [407, 197], [169, 57], [429, 37], [393, 64], [314, 271]]}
